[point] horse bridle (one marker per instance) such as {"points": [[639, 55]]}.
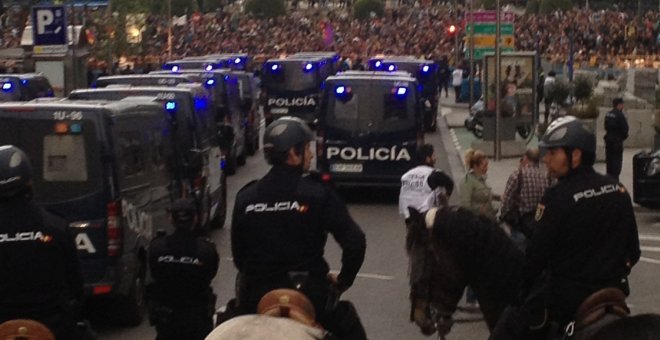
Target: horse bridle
{"points": [[441, 320]]}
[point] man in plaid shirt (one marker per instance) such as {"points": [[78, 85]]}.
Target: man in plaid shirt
{"points": [[522, 193]]}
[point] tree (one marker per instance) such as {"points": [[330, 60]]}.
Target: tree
{"points": [[265, 8], [363, 9]]}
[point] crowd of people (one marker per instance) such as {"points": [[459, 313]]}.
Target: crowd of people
{"points": [[597, 37]]}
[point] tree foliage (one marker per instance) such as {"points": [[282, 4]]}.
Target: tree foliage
{"points": [[363, 9], [265, 8]]}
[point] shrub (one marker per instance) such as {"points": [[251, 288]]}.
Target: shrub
{"points": [[362, 9], [559, 92], [582, 89], [590, 111], [265, 8]]}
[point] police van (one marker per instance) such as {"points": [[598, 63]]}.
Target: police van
{"points": [[234, 61], [248, 93], [331, 58], [370, 124], [24, 87], [165, 79], [233, 125], [426, 73], [194, 64], [103, 167], [291, 87], [198, 168]]}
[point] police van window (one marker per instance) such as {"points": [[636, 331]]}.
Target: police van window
{"points": [[62, 156], [291, 77], [132, 153]]}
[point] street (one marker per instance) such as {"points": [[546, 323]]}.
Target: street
{"points": [[380, 292]]}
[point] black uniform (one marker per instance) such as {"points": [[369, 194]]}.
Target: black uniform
{"points": [[182, 266], [40, 269], [585, 238], [280, 224], [616, 131]]}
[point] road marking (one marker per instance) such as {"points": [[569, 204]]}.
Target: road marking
{"points": [[370, 276], [651, 249], [648, 260], [649, 238]]}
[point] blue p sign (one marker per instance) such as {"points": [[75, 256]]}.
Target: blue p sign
{"points": [[49, 25]]}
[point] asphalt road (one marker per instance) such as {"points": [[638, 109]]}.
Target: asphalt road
{"points": [[381, 291]]}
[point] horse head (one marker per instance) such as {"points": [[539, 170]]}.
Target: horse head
{"points": [[436, 281]]}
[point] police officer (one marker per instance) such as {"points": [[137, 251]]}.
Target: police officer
{"points": [[616, 131], [585, 235], [280, 225], [38, 259], [182, 266], [424, 186]]}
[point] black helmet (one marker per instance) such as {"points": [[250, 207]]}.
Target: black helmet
{"points": [[15, 171], [568, 132], [183, 211], [283, 134]]}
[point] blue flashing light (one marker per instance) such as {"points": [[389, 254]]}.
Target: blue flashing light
{"points": [[209, 67], [170, 106], [308, 67], [340, 90], [175, 68], [24, 81], [401, 91], [426, 68], [7, 87], [75, 128], [274, 67], [237, 61], [391, 68], [378, 64], [210, 82], [226, 77], [201, 103]]}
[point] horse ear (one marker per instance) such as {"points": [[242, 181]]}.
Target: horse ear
{"points": [[416, 216]]}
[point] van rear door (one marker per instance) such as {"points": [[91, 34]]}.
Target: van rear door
{"points": [[370, 131], [65, 151]]}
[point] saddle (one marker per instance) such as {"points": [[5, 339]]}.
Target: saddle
{"points": [[597, 305], [288, 303], [24, 329]]}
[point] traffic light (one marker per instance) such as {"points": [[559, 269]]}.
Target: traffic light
{"points": [[451, 30]]}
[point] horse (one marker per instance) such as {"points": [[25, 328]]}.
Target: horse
{"points": [[450, 248]]}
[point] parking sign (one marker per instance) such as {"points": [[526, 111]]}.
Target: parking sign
{"points": [[49, 27]]}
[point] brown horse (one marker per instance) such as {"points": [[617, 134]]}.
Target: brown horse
{"points": [[450, 248]]}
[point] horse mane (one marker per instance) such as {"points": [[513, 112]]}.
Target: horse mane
{"points": [[491, 263]]}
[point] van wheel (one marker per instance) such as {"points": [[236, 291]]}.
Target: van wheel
{"points": [[133, 306], [218, 221]]}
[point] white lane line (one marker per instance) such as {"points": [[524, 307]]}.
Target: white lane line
{"points": [[651, 249], [649, 238], [648, 260], [370, 276]]}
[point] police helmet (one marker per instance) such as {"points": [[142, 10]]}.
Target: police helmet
{"points": [[283, 134], [15, 171], [183, 211], [568, 132], [616, 102]]}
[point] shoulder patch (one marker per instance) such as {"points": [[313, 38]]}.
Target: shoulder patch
{"points": [[540, 208]]}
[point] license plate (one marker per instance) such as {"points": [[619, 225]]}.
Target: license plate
{"points": [[343, 167], [280, 110]]}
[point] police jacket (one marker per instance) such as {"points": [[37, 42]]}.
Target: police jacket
{"points": [[585, 233], [281, 222], [616, 126], [182, 266], [38, 262], [420, 188]]}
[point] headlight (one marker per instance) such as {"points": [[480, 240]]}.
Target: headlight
{"points": [[653, 168]]}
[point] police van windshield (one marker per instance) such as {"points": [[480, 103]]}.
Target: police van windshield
{"points": [[281, 77], [67, 163], [370, 107]]}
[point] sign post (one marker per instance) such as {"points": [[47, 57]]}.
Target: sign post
{"points": [[49, 29], [483, 25]]}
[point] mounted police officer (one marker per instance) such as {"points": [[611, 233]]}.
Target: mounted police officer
{"points": [[280, 226], [585, 235], [616, 132], [182, 266], [38, 258]]}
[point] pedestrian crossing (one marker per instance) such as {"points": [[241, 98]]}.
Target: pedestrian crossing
{"points": [[650, 246]]}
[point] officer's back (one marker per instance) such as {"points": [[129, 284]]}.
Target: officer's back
{"points": [[183, 265], [38, 259]]}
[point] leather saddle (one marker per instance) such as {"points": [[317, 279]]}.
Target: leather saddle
{"points": [[607, 301], [25, 329]]}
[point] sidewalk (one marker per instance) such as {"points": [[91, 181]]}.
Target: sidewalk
{"points": [[451, 125]]}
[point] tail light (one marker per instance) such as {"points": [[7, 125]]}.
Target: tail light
{"points": [[114, 229]]}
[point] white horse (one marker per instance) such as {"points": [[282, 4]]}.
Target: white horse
{"points": [[258, 327]]}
